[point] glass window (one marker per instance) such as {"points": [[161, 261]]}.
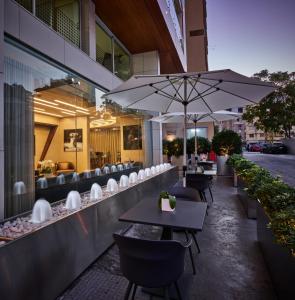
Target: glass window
{"points": [[61, 15], [27, 4], [201, 132], [104, 48], [122, 62], [58, 130]]}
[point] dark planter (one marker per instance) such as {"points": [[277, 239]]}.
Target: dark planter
{"points": [[280, 263], [223, 169], [249, 204], [235, 179]]}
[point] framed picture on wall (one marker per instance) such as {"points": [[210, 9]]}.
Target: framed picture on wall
{"points": [[73, 140], [132, 137]]}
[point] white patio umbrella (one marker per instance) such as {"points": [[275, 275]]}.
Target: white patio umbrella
{"points": [[190, 92], [177, 117]]}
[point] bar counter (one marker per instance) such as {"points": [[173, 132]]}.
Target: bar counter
{"points": [[41, 264]]}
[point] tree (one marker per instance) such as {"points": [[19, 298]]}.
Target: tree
{"points": [[276, 112]]}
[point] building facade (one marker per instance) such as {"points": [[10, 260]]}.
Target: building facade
{"points": [[57, 58]]}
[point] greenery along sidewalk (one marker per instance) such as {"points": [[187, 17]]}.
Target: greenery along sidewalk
{"points": [[276, 197]]}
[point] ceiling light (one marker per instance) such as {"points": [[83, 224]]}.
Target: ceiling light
{"points": [[72, 105], [83, 112], [47, 113], [72, 114], [41, 109], [59, 108], [45, 101]]}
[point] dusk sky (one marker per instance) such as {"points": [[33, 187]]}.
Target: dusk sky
{"points": [[250, 35]]}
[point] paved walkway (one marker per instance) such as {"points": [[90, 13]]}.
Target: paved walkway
{"points": [[278, 164], [230, 265]]}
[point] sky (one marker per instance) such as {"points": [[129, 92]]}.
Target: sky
{"points": [[251, 35]]}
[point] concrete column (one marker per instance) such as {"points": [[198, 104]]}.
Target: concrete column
{"points": [[148, 63], [1, 110], [88, 34]]}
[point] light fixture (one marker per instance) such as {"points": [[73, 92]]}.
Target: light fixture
{"points": [[67, 113], [61, 109], [47, 113], [83, 112], [40, 109], [71, 105], [45, 101]]}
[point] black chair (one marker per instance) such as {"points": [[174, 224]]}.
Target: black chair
{"points": [[151, 264], [201, 183], [187, 194]]}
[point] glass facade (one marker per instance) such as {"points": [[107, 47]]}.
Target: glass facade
{"points": [[104, 48], [61, 15], [58, 130], [111, 54]]}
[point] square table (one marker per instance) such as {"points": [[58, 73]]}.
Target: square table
{"points": [[187, 215]]}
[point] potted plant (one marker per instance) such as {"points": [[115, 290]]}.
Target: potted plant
{"points": [[47, 168], [224, 144], [166, 201]]}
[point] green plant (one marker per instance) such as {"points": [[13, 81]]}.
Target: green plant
{"points": [[227, 142], [276, 197], [166, 195]]}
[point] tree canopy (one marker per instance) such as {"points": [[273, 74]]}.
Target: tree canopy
{"points": [[276, 112]]}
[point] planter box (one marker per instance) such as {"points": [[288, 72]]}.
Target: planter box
{"points": [[222, 168], [235, 179], [43, 263], [249, 204], [280, 263]]}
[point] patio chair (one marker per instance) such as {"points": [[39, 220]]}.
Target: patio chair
{"points": [[151, 264], [186, 194], [201, 183]]}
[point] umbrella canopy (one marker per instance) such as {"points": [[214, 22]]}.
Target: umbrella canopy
{"points": [[218, 116], [190, 92]]}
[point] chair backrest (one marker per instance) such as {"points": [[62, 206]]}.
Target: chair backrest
{"points": [[198, 181], [150, 263], [185, 193]]}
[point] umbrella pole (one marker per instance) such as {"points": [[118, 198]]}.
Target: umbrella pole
{"points": [[185, 102], [196, 141]]}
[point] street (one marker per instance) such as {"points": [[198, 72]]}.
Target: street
{"points": [[278, 164]]}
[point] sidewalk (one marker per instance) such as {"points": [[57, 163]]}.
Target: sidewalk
{"points": [[230, 265]]}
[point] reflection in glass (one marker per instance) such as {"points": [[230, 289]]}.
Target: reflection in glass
{"points": [[104, 48], [122, 62]]}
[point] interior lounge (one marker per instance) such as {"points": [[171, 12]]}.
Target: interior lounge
{"points": [[69, 133]]}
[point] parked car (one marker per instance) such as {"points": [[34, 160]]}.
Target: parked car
{"points": [[248, 146], [255, 148], [276, 148], [264, 146]]}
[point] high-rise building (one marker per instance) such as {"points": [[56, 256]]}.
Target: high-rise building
{"points": [[57, 58]]}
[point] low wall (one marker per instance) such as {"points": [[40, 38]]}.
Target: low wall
{"points": [[42, 264]]}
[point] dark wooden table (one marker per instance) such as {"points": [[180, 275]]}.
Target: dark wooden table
{"points": [[187, 215]]}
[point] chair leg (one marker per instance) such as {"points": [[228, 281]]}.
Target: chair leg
{"points": [[177, 290], [129, 287], [134, 291], [166, 293], [211, 194], [191, 254], [196, 242]]}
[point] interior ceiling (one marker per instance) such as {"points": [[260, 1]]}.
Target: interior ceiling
{"points": [[63, 101], [140, 26]]}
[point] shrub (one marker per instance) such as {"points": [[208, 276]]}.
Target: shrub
{"points": [[203, 144], [227, 142], [276, 197]]}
